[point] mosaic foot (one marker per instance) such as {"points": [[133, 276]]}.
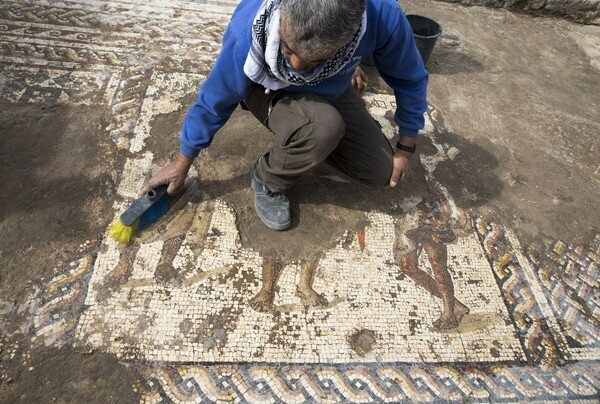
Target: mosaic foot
{"points": [[262, 302], [460, 310], [446, 322], [310, 297], [449, 321]]}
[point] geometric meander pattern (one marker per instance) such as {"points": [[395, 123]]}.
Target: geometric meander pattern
{"points": [[570, 276], [48, 50], [520, 300], [367, 383]]}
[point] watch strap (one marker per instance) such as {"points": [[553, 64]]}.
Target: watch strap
{"points": [[402, 147]]}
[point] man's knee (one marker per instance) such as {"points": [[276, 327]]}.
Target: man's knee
{"points": [[379, 171], [371, 165], [376, 166], [328, 128]]}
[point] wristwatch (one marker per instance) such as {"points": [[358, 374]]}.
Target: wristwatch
{"points": [[409, 149]]}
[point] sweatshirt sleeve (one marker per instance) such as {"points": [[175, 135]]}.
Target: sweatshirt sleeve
{"points": [[400, 65], [219, 95]]}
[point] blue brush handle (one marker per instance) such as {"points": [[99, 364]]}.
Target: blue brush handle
{"points": [[142, 204]]}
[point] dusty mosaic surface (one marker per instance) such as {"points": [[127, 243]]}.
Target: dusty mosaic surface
{"points": [[207, 315], [201, 317]]}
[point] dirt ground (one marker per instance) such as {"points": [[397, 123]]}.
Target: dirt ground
{"points": [[58, 188], [522, 95]]}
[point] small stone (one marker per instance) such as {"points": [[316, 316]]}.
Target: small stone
{"points": [[31, 368], [453, 152]]}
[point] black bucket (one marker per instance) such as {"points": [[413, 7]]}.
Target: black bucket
{"points": [[426, 32]]}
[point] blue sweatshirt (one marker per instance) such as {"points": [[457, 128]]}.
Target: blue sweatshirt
{"points": [[388, 38]]}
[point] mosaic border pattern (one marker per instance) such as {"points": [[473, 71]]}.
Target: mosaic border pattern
{"points": [[569, 276], [61, 304], [367, 383], [538, 342]]}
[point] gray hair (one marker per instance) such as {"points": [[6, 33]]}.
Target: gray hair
{"points": [[319, 27]]}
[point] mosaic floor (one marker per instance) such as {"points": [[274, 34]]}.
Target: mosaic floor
{"points": [[439, 304]]}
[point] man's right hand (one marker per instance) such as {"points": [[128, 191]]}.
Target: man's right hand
{"points": [[173, 174]]}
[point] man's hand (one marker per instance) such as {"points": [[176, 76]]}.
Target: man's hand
{"points": [[401, 170], [359, 80], [173, 174]]}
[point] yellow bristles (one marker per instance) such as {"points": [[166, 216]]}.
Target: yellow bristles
{"points": [[123, 234]]}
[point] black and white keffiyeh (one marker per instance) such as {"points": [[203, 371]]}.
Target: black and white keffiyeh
{"points": [[266, 64]]}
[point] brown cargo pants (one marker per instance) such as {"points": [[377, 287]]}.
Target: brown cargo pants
{"points": [[309, 130]]}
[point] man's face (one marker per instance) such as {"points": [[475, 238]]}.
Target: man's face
{"points": [[288, 47]]}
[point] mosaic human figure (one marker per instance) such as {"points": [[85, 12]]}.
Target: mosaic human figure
{"points": [[431, 233], [272, 268]]}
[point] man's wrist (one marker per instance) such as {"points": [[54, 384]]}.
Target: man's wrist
{"points": [[184, 161], [406, 144], [405, 148], [403, 154]]}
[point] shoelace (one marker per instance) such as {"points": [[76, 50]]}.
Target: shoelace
{"points": [[276, 195]]}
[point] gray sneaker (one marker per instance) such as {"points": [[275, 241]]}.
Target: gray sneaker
{"points": [[273, 208]]}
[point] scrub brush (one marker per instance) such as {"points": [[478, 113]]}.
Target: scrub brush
{"points": [[140, 214]]}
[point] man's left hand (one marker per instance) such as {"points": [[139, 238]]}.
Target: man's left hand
{"points": [[359, 80], [401, 170]]}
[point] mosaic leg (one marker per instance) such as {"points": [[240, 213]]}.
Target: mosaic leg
{"points": [[263, 301], [441, 286], [305, 290]]}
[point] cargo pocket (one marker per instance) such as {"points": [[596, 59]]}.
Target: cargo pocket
{"points": [[285, 121]]}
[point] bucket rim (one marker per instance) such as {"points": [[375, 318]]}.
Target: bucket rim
{"points": [[428, 37], [437, 24]]}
